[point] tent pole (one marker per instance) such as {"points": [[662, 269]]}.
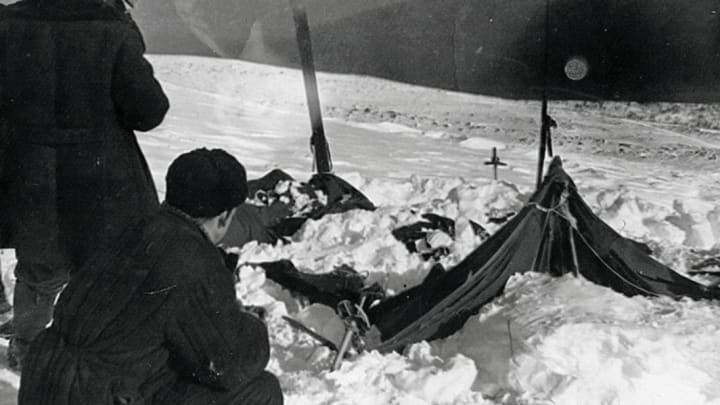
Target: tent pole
{"points": [[576, 264], [544, 119]]}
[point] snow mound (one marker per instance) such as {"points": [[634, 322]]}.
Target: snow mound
{"points": [[568, 341], [637, 218], [419, 378]]}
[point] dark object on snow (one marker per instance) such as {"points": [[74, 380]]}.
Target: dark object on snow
{"points": [[343, 283], [275, 220], [699, 268], [268, 181], [501, 219], [153, 321], [259, 222], [411, 234], [288, 226], [479, 230], [341, 195], [555, 233]]}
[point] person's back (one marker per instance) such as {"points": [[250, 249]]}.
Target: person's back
{"points": [[74, 85], [61, 69], [159, 325]]}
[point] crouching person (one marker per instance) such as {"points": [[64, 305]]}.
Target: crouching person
{"points": [[155, 320]]}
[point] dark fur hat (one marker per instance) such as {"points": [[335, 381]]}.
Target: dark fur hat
{"points": [[205, 182]]}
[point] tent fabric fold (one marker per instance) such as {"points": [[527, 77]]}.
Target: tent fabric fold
{"points": [[273, 216], [343, 283]]}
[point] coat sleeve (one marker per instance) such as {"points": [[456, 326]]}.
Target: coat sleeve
{"points": [[211, 338], [140, 101]]}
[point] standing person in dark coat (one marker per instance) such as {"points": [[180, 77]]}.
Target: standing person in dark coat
{"points": [[73, 86], [155, 320], [4, 304]]}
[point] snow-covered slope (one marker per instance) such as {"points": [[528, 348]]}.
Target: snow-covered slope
{"points": [[414, 150]]}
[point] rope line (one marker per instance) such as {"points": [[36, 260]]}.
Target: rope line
{"points": [[613, 270], [573, 224]]}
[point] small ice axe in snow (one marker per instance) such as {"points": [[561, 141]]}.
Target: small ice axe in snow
{"points": [[356, 323], [318, 142], [495, 162]]}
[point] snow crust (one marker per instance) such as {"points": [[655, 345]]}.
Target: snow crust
{"points": [[569, 341]]}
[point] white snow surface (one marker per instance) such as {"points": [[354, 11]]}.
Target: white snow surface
{"points": [[545, 340]]}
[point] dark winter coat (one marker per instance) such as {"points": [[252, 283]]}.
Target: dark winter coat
{"points": [[73, 86], [161, 313]]}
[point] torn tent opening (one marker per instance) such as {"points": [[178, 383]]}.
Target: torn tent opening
{"points": [[555, 233], [278, 206], [417, 237], [343, 283]]}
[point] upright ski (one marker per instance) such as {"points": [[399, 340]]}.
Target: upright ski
{"points": [[318, 142]]}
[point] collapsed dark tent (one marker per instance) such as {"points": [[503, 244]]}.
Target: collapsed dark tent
{"points": [[555, 233]]}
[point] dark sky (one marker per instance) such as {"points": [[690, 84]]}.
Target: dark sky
{"points": [[631, 49]]}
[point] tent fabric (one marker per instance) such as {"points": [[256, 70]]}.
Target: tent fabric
{"points": [[327, 289], [272, 216], [343, 283], [420, 233], [555, 233], [341, 195]]}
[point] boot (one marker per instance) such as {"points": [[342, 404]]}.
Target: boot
{"points": [[4, 304], [32, 313], [16, 353], [7, 329]]}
